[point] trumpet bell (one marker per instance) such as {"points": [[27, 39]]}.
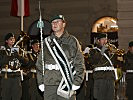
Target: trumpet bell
{"points": [[22, 39], [113, 49], [120, 52]]}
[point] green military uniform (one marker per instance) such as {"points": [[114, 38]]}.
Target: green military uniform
{"points": [[11, 81], [128, 68], [34, 92], [90, 82], [103, 79], [10, 63], [52, 78]]}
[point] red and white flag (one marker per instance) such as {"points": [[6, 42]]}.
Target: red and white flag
{"points": [[20, 7]]}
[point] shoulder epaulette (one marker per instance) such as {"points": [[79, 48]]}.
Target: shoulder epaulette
{"points": [[2, 48]]}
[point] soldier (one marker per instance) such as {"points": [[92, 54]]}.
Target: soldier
{"points": [[86, 90], [128, 68], [89, 75], [103, 71], [34, 91], [61, 54], [10, 62]]}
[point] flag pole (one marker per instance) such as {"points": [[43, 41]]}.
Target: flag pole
{"points": [[22, 18], [22, 15]]}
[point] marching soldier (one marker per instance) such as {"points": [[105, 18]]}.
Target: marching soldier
{"points": [[86, 90], [10, 62], [103, 70], [128, 68], [89, 75], [34, 92], [61, 54]]}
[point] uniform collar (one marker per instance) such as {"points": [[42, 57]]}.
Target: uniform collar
{"points": [[62, 37], [35, 52], [7, 48], [99, 46], [129, 54]]}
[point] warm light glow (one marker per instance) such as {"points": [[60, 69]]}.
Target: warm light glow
{"points": [[105, 24]]}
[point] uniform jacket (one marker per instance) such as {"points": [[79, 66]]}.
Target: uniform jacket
{"points": [[6, 56], [33, 58], [98, 60], [72, 50], [128, 64]]}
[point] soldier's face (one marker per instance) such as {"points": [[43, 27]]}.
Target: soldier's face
{"points": [[102, 41], [10, 42], [36, 47], [58, 25], [131, 49]]}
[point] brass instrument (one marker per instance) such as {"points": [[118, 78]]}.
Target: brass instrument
{"points": [[23, 37], [113, 49], [120, 52]]}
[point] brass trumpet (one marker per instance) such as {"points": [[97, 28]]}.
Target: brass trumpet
{"points": [[113, 49], [23, 37], [120, 52]]}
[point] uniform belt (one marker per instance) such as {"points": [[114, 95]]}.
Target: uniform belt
{"points": [[51, 67], [88, 72], [9, 70], [129, 71], [108, 68], [33, 70]]}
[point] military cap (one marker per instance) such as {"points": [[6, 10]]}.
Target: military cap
{"points": [[8, 36], [130, 43], [102, 35], [34, 41], [57, 17]]}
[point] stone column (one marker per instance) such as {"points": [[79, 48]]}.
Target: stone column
{"points": [[125, 22]]}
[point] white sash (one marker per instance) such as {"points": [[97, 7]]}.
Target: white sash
{"points": [[65, 70]]}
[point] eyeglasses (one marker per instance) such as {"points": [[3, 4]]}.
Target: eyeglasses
{"points": [[57, 21]]}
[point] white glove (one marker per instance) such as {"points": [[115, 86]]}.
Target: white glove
{"points": [[42, 87], [74, 87]]}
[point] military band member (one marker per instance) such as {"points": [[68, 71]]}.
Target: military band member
{"points": [[10, 63], [103, 71], [128, 68], [66, 51], [34, 91], [89, 74]]}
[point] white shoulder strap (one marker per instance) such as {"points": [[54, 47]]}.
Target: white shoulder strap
{"points": [[105, 56]]}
